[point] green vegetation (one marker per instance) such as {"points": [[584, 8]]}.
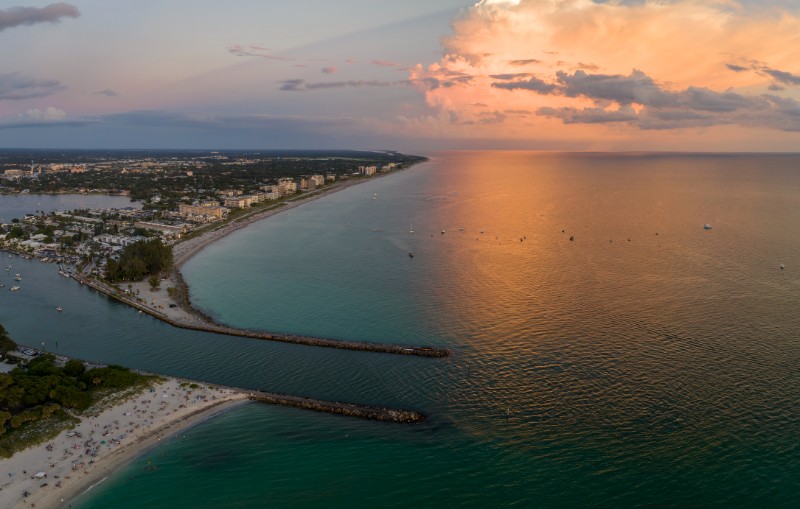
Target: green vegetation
{"points": [[139, 260], [39, 399], [6, 343]]}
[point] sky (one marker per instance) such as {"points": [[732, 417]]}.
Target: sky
{"points": [[416, 75]]}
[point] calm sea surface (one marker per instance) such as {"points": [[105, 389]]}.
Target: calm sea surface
{"points": [[647, 362]]}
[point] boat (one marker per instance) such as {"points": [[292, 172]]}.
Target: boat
{"points": [[706, 226], [411, 228], [410, 255], [14, 288], [442, 232], [59, 309], [782, 267], [17, 278], [2, 285], [483, 231]]}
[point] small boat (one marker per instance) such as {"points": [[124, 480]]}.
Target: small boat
{"points": [[483, 231], [782, 267], [59, 309], [706, 226], [461, 229], [18, 278], [14, 288], [411, 228], [442, 232], [410, 255], [2, 285]]}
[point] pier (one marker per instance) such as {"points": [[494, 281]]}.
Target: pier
{"points": [[334, 407]]}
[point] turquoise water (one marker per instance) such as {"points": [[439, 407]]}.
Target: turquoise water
{"points": [[656, 371]]}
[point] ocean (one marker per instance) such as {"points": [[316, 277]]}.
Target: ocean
{"points": [[607, 349]]}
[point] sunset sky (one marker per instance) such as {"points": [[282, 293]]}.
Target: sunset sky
{"points": [[714, 75]]}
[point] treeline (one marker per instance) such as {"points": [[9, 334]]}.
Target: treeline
{"points": [[139, 260], [40, 389]]}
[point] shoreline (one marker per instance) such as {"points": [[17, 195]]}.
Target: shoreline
{"points": [[106, 441], [125, 456], [135, 425], [176, 308], [189, 248]]}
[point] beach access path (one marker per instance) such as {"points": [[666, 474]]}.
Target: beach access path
{"points": [[55, 472]]}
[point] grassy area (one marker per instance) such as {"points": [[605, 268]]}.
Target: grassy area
{"points": [[38, 432], [35, 433]]}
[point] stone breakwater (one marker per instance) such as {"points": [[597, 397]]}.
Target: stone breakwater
{"points": [[335, 407], [202, 323]]}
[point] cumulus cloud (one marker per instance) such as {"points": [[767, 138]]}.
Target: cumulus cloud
{"points": [[53, 13], [13, 86], [534, 84], [631, 64]]}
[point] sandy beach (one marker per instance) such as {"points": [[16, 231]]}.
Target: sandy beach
{"points": [[54, 473]]}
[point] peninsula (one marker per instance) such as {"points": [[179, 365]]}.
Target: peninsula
{"points": [[189, 211]]}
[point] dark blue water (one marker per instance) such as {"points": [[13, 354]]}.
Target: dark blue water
{"points": [[658, 371]]}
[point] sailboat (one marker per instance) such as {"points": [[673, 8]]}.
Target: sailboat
{"points": [[411, 228]]}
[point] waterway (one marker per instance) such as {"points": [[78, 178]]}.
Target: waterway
{"points": [[598, 371], [17, 205]]}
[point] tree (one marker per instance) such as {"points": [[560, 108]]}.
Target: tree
{"points": [[155, 282], [74, 368], [140, 259], [6, 343]]}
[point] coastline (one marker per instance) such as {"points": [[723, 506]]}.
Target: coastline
{"points": [[109, 439], [183, 251], [175, 308]]}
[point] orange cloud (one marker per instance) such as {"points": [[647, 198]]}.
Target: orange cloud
{"points": [[615, 70]]}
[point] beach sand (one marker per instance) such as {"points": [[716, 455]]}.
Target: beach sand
{"points": [[107, 440]]}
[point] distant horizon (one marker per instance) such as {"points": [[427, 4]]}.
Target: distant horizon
{"points": [[405, 151]]}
